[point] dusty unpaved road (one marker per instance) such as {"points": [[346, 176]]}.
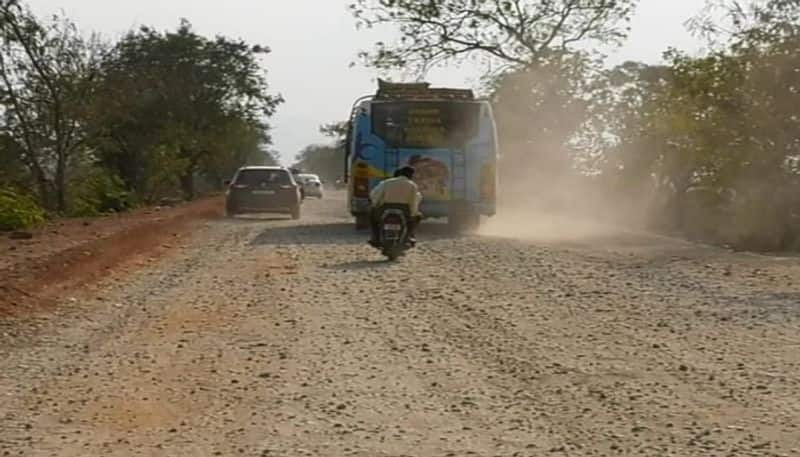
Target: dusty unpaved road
{"points": [[269, 337]]}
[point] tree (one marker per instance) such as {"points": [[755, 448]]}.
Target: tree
{"points": [[539, 109], [336, 130], [617, 144], [325, 160], [516, 33], [200, 99], [715, 136], [736, 22], [239, 143], [46, 74]]}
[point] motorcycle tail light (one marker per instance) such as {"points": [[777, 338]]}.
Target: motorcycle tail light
{"points": [[392, 219]]}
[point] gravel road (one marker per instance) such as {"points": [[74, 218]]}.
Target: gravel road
{"points": [[270, 337]]}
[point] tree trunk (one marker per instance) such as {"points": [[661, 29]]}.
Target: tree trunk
{"points": [[43, 185], [187, 185], [45, 194], [61, 183]]}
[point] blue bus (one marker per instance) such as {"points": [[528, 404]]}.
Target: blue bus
{"points": [[447, 135]]}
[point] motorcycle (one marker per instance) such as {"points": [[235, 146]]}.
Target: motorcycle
{"points": [[394, 238]]}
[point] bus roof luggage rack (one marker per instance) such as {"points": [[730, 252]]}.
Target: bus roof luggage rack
{"points": [[419, 91]]}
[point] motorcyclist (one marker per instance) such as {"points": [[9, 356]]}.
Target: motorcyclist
{"points": [[399, 190]]}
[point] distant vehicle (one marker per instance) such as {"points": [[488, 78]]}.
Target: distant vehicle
{"points": [[311, 184], [263, 190], [447, 135]]}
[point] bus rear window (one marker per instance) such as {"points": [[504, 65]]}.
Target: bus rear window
{"points": [[258, 177], [425, 125]]}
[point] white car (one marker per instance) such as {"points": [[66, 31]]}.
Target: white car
{"points": [[312, 185]]}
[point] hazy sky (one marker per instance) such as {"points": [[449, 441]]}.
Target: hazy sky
{"points": [[313, 41]]}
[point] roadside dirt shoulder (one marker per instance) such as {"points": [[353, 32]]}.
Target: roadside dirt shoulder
{"points": [[70, 253]]}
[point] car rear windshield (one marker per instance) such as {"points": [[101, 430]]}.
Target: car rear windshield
{"points": [[425, 125], [255, 178]]}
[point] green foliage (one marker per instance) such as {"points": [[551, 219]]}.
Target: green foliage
{"points": [[725, 122], [238, 143], [162, 171], [538, 110], [151, 113], [47, 71], [704, 145], [13, 172], [203, 100], [326, 161], [18, 211], [97, 193], [337, 131]]}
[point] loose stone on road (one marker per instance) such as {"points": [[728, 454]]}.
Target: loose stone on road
{"points": [[271, 337]]}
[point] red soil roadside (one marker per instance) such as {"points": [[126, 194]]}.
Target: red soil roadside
{"points": [[67, 254]]}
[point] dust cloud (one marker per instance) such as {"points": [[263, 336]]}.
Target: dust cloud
{"points": [[542, 196], [527, 223], [552, 206]]}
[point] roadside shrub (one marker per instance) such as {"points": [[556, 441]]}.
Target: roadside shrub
{"points": [[99, 192], [17, 211], [762, 224], [164, 168]]}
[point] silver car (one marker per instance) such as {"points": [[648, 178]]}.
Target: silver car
{"points": [[312, 185]]}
